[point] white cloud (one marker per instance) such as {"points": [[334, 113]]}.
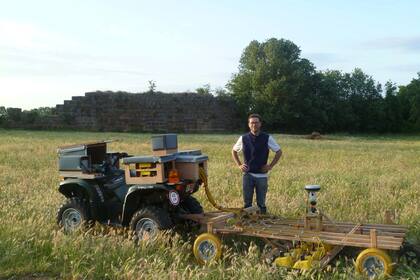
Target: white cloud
{"points": [[404, 43]]}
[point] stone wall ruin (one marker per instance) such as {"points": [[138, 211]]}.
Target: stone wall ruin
{"points": [[147, 112]]}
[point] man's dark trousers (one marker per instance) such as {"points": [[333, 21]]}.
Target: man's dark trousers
{"points": [[249, 183]]}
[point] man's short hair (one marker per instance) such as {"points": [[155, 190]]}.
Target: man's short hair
{"points": [[255, 116]]}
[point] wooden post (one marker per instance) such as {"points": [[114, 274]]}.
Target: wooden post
{"points": [[306, 222], [319, 223], [373, 238], [210, 227], [389, 217]]}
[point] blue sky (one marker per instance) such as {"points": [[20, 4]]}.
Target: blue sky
{"points": [[52, 50]]}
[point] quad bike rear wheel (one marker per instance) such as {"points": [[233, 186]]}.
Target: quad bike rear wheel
{"points": [[147, 222]]}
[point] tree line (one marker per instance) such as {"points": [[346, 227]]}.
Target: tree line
{"points": [[10, 117], [291, 95]]}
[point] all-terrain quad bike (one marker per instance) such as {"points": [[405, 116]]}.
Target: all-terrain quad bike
{"points": [[147, 195]]}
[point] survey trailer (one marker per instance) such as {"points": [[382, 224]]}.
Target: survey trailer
{"points": [[310, 242]]}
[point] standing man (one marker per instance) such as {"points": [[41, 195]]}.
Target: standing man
{"points": [[255, 146]]}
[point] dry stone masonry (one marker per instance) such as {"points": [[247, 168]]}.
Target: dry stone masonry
{"points": [[148, 112]]}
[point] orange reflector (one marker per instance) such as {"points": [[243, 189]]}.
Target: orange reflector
{"points": [[173, 176]]}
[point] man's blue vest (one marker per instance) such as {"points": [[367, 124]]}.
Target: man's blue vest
{"points": [[255, 149]]}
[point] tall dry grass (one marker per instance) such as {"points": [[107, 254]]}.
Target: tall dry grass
{"points": [[361, 177]]}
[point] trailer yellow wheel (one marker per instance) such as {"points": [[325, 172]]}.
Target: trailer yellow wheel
{"points": [[207, 247], [374, 262]]}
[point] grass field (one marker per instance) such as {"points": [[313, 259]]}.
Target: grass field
{"points": [[361, 177]]}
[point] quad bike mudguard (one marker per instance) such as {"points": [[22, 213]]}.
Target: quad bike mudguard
{"points": [[138, 193], [87, 191]]}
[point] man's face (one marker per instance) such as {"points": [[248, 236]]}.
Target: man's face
{"points": [[254, 125]]}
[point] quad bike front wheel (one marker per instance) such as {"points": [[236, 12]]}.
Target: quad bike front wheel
{"points": [[73, 215], [374, 262], [147, 222], [207, 248]]}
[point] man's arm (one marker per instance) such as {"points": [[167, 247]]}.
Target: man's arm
{"points": [[270, 166], [237, 148], [242, 167], [276, 158]]}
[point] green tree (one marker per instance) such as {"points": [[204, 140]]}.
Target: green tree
{"points": [[204, 90], [14, 114], [45, 111], [220, 92], [3, 115], [152, 86], [392, 108], [333, 98], [409, 97], [366, 101], [274, 81], [29, 117]]}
